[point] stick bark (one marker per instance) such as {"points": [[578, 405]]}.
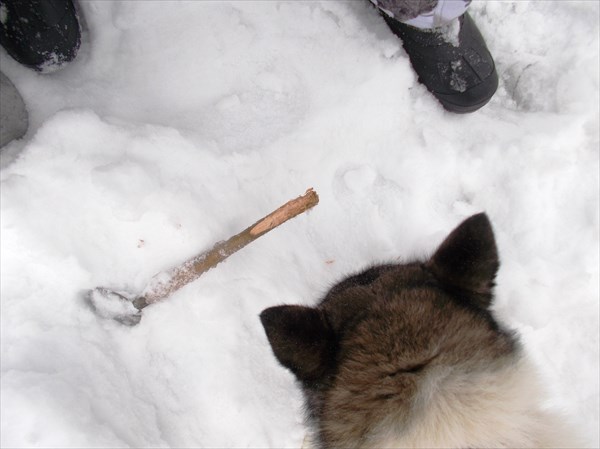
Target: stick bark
{"points": [[166, 283]]}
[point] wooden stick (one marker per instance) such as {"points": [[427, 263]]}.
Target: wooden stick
{"points": [[166, 283]]}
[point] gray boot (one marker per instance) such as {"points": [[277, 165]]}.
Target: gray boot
{"points": [[13, 115]]}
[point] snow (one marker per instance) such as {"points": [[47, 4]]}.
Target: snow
{"points": [[181, 123]]}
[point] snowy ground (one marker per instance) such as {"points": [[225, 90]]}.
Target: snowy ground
{"points": [[181, 123]]}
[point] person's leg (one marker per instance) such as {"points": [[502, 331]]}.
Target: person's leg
{"points": [[423, 13], [13, 115], [42, 35], [446, 50]]}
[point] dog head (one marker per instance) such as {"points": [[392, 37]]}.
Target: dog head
{"points": [[382, 342]]}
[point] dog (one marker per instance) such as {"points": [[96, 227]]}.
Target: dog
{"points": [[410, 355]]}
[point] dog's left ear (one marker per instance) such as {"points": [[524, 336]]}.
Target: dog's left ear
{"points": [[301, 339], [468, 259]]}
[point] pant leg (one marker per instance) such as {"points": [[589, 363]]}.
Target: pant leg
{"points": [[423, 13], [13, 115]]}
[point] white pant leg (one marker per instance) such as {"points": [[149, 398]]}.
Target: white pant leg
{"points": [[444, 12]]}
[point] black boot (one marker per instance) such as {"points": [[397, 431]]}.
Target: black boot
{"points": [[462, 77], [40, 34]]}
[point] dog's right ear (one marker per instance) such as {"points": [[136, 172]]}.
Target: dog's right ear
{"points": [[301, 339], [468, 259]]}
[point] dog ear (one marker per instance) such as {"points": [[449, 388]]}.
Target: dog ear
{"points": [[468, 259], [301, 339]]}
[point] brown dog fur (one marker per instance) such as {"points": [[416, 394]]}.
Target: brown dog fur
{"points": [[409, 355]]}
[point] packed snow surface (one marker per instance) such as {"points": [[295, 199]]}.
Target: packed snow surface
{"points": [[182, 123]]}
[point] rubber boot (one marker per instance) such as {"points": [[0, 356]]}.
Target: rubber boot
{"points": [[40, 34], [460, 74]]}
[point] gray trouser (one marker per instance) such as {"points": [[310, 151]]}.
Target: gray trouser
{"points": [[13, 115], [423, 13]]}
